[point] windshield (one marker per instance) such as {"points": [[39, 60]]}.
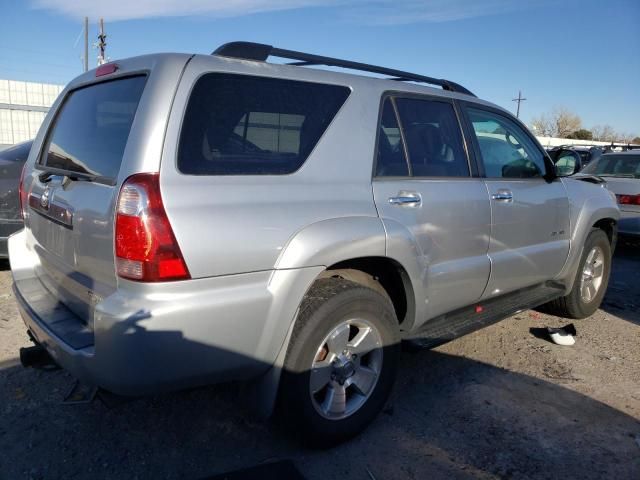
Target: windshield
{"points": [[615, 166]]}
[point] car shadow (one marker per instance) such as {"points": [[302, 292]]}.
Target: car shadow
{"points": [[4, 265], [448, 417], [623, 295]]}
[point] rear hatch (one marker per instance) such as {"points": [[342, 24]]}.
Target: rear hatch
{"points": [[72, 195]]}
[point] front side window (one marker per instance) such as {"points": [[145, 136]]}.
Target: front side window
{"points": [[246, 125], [434, 140], [507, 151]]}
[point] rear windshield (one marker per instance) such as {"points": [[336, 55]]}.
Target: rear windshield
{"points": [[91, 128], [616, 166], [245, 125]]}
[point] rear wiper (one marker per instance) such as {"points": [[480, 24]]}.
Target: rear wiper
{"points": [[45, 177]]}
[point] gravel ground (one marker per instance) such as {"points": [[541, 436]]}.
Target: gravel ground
{"points": [[499, 403]]}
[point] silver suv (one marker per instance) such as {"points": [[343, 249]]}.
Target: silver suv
{"points": [[192, 219]]}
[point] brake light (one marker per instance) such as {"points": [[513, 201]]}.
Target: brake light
{"points": [[22, 193], [146, 248], [106, 69], [628, 199]]}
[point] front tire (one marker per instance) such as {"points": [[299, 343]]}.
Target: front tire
{"points": [[590, 284], [341, 362]]}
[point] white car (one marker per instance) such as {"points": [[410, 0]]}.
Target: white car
{"points": [[622, 173]]}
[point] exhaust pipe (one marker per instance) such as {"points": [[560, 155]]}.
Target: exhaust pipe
{"points": [[37, 357]]}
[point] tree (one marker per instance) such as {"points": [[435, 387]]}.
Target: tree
{"points": [[582, 134], [559, 123], [565, 122], [636, 140], [604, 133], [542, 126]]}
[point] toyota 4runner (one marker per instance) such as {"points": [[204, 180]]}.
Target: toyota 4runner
{"points": [[192, 219]]}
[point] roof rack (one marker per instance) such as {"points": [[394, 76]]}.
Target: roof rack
{"points": [[260, 52]]}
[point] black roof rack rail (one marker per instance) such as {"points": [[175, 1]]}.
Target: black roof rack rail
{"points": [[261, 52]]}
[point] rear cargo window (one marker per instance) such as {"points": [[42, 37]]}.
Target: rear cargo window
{"points": [[91, 128], [245, 125]]}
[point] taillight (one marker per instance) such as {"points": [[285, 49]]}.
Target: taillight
{"points": [[22, 192], [146, 248], [628, 199]]}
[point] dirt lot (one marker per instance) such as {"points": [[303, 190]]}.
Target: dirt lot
{"points": [[499, 403]]}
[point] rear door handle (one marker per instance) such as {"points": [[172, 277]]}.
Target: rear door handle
{"points": [[405, 198], [503, 196]]}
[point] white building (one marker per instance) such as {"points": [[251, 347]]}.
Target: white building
{"points": [[23, 106]]}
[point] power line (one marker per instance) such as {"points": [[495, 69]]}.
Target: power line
{"points": [[520, 99]]}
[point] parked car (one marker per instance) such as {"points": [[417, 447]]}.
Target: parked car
{"points": [[622, 174], [584, 154], [192, 219], [11, 162]]}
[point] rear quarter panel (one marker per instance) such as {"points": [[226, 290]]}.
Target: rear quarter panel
{"points": [[243, 223]]}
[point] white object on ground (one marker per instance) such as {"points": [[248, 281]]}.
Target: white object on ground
{"points": [[561, 338]]}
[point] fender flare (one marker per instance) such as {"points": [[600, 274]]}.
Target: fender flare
{"points": [[589, 215]]}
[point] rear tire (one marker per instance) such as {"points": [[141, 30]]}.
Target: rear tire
{"points": [[341, 362], [590, 284]]}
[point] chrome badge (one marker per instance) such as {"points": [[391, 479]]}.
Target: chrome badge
{"points": [[44, 199]]}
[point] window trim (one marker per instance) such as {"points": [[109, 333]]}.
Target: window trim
{"points": [[549, 173], [203, 73], [468, 152], [46, 142]]}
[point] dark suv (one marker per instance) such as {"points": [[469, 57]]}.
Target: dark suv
{"points": [[11, 163]]}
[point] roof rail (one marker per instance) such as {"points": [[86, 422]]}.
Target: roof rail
{"points": [[261, 52]]}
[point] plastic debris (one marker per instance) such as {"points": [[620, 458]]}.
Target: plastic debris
{"points": [[563, 335]]}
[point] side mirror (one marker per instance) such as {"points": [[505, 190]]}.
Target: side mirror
{"points": [[567, 162]]}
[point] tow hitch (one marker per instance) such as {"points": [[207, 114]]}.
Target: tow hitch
{"points": [[37, 357]]}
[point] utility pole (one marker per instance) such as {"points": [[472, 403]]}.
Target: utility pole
{"points": [[520, 99], [86, 43], [102, 44]]}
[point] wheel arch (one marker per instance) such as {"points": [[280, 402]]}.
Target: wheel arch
{"points": [[384, 275]]}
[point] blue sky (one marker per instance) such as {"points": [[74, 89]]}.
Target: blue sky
{"points": [[582, 55]]}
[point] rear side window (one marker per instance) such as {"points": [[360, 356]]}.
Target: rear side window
{"points": [[91, 129], [433, 137], [391, 160], [245, 125]]}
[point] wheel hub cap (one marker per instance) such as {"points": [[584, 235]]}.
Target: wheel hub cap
{"points": [[345, 369], [592, 275]]}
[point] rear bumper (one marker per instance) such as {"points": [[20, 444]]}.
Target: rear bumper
{"points": [[153, 338]]}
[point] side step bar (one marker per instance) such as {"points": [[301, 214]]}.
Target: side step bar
{"points": [[452, 325]]}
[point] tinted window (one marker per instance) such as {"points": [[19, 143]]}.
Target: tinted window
{"points": [[507, 150], [391, 161], [243, 125], [91, 129], [433, 137], [615, 165]]}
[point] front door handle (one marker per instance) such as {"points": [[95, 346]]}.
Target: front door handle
{"points": [[405, 198], [503, 196]]}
